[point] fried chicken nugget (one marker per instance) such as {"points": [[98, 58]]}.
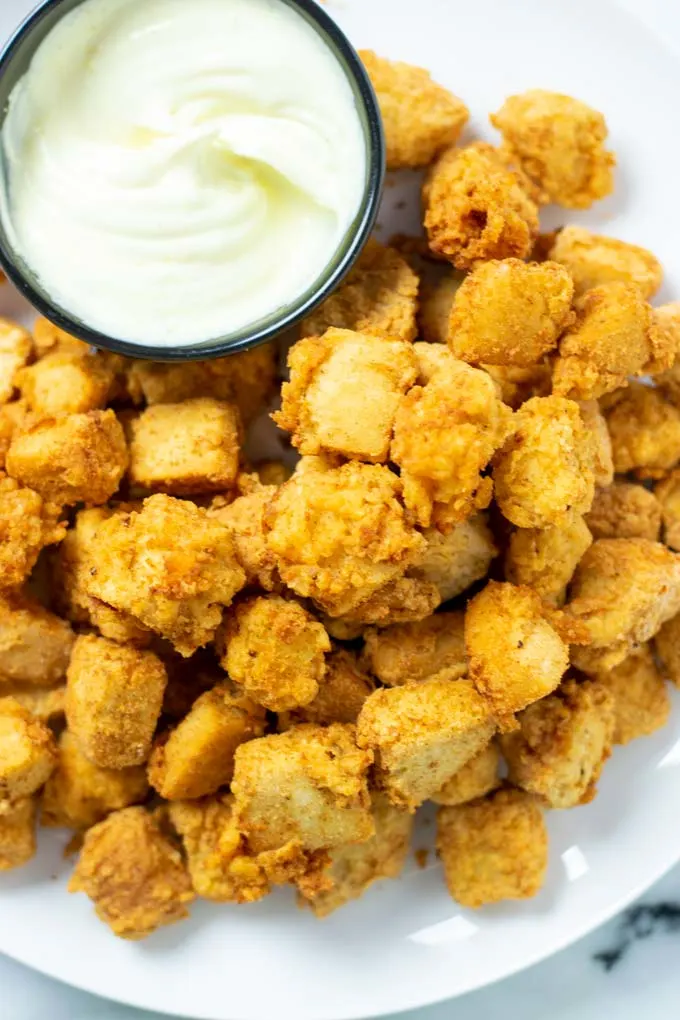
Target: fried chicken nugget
{"points": [[476, 208], [379, 295], [644, 426], [517, 385], [545, 470], [27, 524], [667, 647], [477, 777], [67, 383], [558, 142], [44, 703], [133, 874], [35, 645], [667, 496], [17, 834], [625, 510], [511, 313], [28, 753], [419, 116], [593, 259], [596, 424], [545, 558], [415, 651], [243, 517], [342, 692], [400, 601], [641, 702], [666, 319], [455, 560], [438, 290], [16, 349]]}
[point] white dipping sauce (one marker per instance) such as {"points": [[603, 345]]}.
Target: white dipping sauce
{"points": [[180, 169]]}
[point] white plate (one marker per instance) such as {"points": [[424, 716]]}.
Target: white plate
{"points": [[406, 944]]}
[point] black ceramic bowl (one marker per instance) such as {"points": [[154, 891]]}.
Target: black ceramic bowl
{"points": [[14, 61]]}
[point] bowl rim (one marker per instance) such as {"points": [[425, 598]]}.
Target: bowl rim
{"points": [[328, 280]]}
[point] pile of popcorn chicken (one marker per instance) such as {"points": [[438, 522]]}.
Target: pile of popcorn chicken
{"points": [[225, 677]]}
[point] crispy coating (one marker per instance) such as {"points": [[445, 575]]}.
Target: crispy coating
{"points": [[276, 650], [545, 469], [77, 458], [517, 385], [49, 339], [416, 651], [493, 849], [422, 733], [17, 834], [400, 601], [625, 510], [558, 142], [379, 295], [67, 383], [614, 336], [476, 208], [27, 524], [477, 777], [667, 495], [308, 784], [197, 757], [170, 566], [545, 558], [510, 312], [593, 259], [28, 753], [13, 416], [133, 874], [16, 348], [114, 695], [562, 744], [35, 645], [437, 293], [419, 116], [641, 702], [667, 322], [644, 426], [184, 449], [244, 519], [667, 647], [340, 534], [45, 704], [342, 692], [79, 794], [596, 424], [455, 560], [515, 652], [344, 392]]}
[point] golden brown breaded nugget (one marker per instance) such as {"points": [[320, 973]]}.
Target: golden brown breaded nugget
{"points": [[344, 392], [667, 647], [28, 753], [400, 601], [545, 558], [170, 566], [510, 312], [493, 849], [114, 695], [27, 524], [517, 385], [16, 348], [35, 645], [641, 702], [420, 117], [667, 493], [558, 142], [12, 417], [45, 704], [477, 777], [545, 469], [515, 653], [17, 834], [422, 733], [437, 293], [276, 650], [596, 424], [342, 693], [197, 757], [244, 519], [133, 875], [562, 744], [416, 651], [625, 510], [476, 207], [79, 794], [66, 383], [593, 259], [614, 337], [454, 561], [340, 534], [379, 295], [309, 785], [77, 458], [49, 339], [666, 319], [644, 426]]}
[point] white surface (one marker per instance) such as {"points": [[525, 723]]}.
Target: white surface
{"points": [[406, 943]]}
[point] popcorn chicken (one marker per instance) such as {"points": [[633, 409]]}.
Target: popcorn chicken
{"points": [[517, 385], [667, 647], [340, 534], [422, 733], [454, 561], [170, 566], [510, 312], [666, 320], [67, 383], [562, 744], [17, 834], [416, 651], [244, 520], [8, 426], [276, 650], [476, 208], [35, 645], [667, 494], [641, 702], [50, 339], [625, 510], [77, 458], [477, 777], [645, 431], [558, 142], [493, 849], [16, 348], [344, 392], [545, 558], [400, 601], [342, 692], [27, 525], [79, 794], [596, 425], [545, 469], [133, 874], [379, 295], [614, 336], [593, 259], [45, 704], [114, 695], [28, 753], [420, 117], [437, 294], [308, 785], [197, 757]]}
